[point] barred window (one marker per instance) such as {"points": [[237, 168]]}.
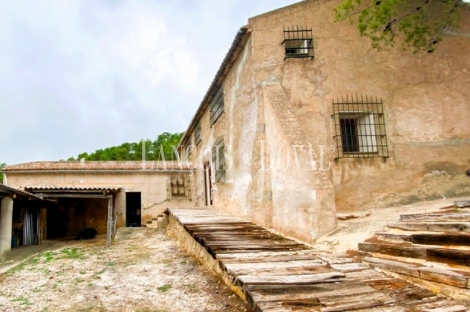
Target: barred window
{"points": [[178, 187], [359, 127], [218, 160], [197, 134], [298, 42], [217, 106]]}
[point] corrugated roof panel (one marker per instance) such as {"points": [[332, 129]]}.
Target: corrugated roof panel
{"points": [[5, 189]]}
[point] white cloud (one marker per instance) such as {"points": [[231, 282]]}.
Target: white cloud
{"points": [[82, 75]]}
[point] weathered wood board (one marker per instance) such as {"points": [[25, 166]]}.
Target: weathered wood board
{"points": [[436, 217], [395, 250], [462, 203], [432, 226], [456, 239], [394, 266]]}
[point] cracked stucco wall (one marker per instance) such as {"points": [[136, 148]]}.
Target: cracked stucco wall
{"points": [[289, 102], [426, 101], [153, 188]]}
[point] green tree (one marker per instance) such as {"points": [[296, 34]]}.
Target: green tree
{"points": [[2, 165], [162, 147], [419, 24]]}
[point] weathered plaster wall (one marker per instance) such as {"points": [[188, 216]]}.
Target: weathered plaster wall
{"points": [[303, 203], [254, 188], [238, 127], [426, 101], [152, 185]]}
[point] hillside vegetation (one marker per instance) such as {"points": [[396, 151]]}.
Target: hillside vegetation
{"points": [[1, 174], [163, 147]]}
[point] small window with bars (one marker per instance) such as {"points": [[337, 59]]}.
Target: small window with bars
{"points": [[197, 134], [359, 127], [178, 187], [298, 42], [218, 160], [217, 106]]}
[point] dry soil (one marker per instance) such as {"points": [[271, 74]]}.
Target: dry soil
{"points": [[144, 270]]}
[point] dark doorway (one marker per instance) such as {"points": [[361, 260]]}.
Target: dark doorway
{"points": [[133, 209], [208, 184], [56, 222]]}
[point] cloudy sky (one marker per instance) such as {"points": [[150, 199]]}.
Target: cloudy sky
{"points": [[76, 76]]}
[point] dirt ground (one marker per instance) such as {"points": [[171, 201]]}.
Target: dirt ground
{"points": [[357, 227], [143, 271]]}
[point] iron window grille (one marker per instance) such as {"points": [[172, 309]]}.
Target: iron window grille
{"points": [[217, 106], [218, 160], [178, 187], [359, 127], [197, 134], [298, 42]]}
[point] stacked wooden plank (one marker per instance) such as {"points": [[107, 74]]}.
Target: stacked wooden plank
{"points": [[434, 247], [278, 274]]}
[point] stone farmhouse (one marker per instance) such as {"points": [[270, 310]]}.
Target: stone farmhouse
{"points": [[100, 195], [302, 120]]}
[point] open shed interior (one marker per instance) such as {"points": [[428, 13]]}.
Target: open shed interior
{"points": [[72, 210], [70, 216], [26, 223]]}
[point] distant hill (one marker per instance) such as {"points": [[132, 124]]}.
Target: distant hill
{"points": [[133, 151]]}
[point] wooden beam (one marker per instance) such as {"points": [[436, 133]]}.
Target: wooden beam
{"points": [[462, 203], [446, 239], [84, 191], [394, 266], [62, 195], [432, 226]]}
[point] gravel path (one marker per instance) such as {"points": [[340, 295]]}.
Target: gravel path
{"points": [[144, 271]]}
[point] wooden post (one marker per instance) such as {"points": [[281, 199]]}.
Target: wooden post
{"points": [[110, 222]]}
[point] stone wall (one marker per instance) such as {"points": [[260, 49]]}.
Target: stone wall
{"points": [[298, 203], [426, 102], [283, 103], [152, 185], [241, 193]]}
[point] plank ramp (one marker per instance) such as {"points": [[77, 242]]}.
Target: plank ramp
{"points": [[273, 273]]}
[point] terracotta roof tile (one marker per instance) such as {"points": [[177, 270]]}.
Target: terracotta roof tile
{"points": [[99, 165]]}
